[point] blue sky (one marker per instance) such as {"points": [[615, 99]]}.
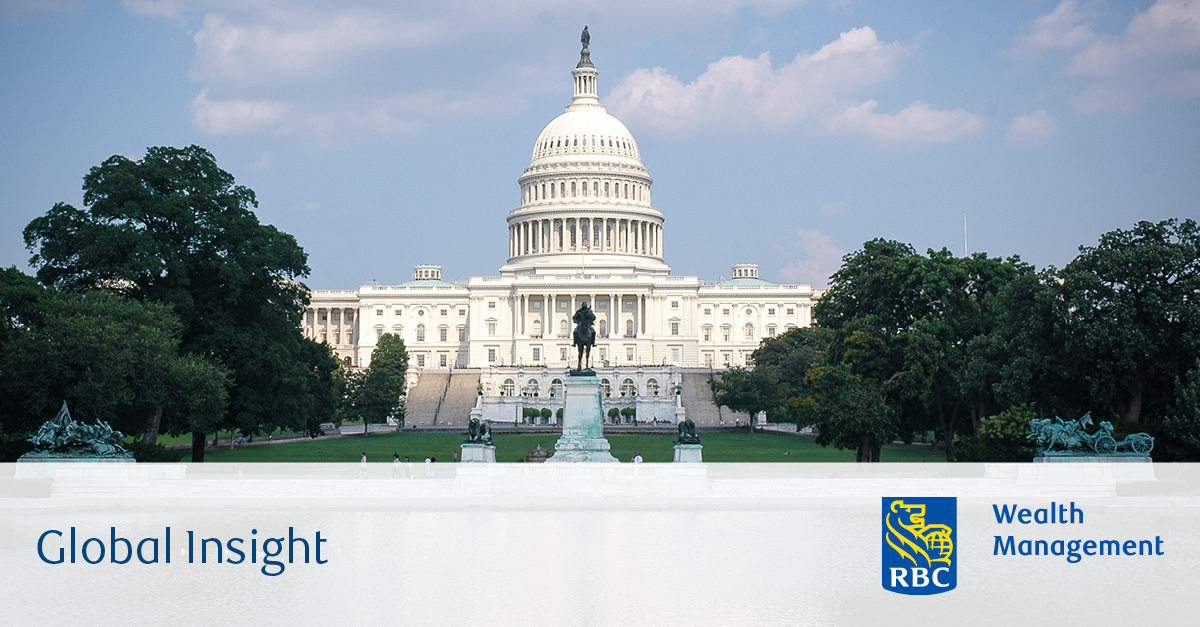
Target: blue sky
{"points": [[384, 135]]}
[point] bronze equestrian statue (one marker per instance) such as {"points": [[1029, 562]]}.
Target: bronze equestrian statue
{"points": [[584, 337]]}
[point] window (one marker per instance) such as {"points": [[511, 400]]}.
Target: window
{"points": [[749, 331], [462, 312], [770, 312], [603, 355], [398, 311], [537, 354], [629, 328], [724, 312], [707, 334], [564, 328], [337, 337], [378, 312], [537, 328], [603, 328], [628, 388], [771, 330], [444, 312], [322, 317], [442, 360], [349, 316], [442, 333], [491, 355], [531, 388], [749, 312], [674, 328], [601, 306], [791, 312], [462, 334], [674, 304], [556, 388], [564, 305], [708, 312], [378, 332], [535, 305], [674, 355], [725, 331], [728, 357], [491, 304], [628, 305], [628, 353], [652, 387], [572, 189], [509, 388], [420, 312], [421, 360], [491, 328], [562, 354], [607, 386], [420, 333]]}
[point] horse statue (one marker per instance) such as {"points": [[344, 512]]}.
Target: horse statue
{"points": [[584, 336]]}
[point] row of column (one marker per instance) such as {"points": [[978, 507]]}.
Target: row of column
{"points": [[344, 323], [615, 326], [575, 235]]}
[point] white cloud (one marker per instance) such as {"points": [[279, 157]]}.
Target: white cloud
{"points": [[812, 92], [821, 259], [1058, 30], [916, 123], [1157, 55], [1031, 129], [234, 117]]}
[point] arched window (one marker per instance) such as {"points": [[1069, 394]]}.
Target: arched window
{"points": [[606, 189], [531, 388], [556, 388], [749, 331], [378, 333], [628, 388], [537, 328], [572, 189], [562, 188], [725, 331], [606, 386], [629, 328], [553, 191], [564, 328], [603, 328], [771, 330], [509, 388], [652, 387], [420, 333], [398, 331], [627, 190], [596, 188]]}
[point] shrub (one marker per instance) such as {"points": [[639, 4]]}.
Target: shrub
{"points": [[143, 452], [559, 413], [1001, 438], [614, 412], [546, 413]]}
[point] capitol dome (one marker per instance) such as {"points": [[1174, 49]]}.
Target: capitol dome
{"points": [[585, 196]]}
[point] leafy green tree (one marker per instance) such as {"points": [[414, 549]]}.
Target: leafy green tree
{"points": [[546, 413], [1183, 425], [850, 411], [792, 353], [174, 228], [1002, 438], [1133, 315], [751, 391], [109, 357], [383, 382]]}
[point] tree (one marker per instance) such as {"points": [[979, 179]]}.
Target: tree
{"points": [[545, 414], [849, 410], [750, 391], [174, 228], [383, 382], [109, 357], [1133, 316]]}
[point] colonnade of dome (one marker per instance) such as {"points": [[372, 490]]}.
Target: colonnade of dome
{"points": [[585, 234]]}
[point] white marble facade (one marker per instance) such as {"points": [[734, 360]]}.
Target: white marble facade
{"points": [[585, 231]]}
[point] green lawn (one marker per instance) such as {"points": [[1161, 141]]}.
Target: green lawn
{"points": [[718, 447]]}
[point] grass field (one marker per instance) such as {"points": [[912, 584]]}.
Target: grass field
{"points": [[718, 447]]}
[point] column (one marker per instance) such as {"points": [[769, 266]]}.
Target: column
{"points": [[614, 317]]}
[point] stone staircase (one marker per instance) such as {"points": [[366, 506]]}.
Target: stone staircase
{"points": [[460, 398], [422, 402], [698, 400]]}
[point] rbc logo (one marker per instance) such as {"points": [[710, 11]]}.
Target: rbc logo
{"points": [[918, 544]]}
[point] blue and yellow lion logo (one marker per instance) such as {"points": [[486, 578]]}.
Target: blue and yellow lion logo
{"points": [[922, 544]]}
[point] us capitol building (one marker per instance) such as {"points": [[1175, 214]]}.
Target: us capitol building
{"points": [[585, 231]]}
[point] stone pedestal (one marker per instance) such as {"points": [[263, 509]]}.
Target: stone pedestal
{"points": [[478, 452], [688, 453], [1128, 468], [583, 423]]}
